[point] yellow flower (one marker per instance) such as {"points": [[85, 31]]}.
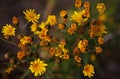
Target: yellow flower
{"points": [[8, 30], [15, 20], [33, 27], [78, 17], [20, 55], [37, 32], [58, 52], [42, 25], [63, 14], [26, 40], [51, 20], [101, 7], [31, 16], [100, 30], [64, 50], [97, 30], [88, 70], [43, 33], [78, 3], [37, 67], [9, 69]]}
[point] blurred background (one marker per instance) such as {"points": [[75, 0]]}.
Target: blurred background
{"points": [[108, 62]]}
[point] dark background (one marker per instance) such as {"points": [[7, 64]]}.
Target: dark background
{"points": [[109, 61]]}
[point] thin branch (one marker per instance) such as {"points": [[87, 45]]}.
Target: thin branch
{"points": [[8, 42]]}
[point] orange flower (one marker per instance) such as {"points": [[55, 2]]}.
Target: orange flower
{"points": [[63, 42], [76, 51], [43, 33], [82, 44], [77, 59], [26, 40], [20, 55], [15, 20], [86, 5], [86, 14], [101, 7], [78, 3], [97, 30], [22, 47], [61, 26], [52, 51], [70, 31], [63, 14], [100, 40], [66, 56], [98, 49], [74, 26]]}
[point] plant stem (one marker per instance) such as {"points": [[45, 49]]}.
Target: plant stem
{"points": [[8, 42]]}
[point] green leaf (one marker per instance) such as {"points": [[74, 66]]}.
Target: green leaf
{"points": [[25, 74]]}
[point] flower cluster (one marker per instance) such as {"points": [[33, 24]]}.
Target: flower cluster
{"points": [[80, 36]]}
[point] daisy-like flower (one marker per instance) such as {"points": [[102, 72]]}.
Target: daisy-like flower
{"points": [[98, 30], [20, 55], [43, 33], [78, 17], [51, 20], [31, 16], [77, 59], [33, 27], [9, 70], [100, 40], [82, 44], [86, 5], [26, 40], [78, 3], [88, 70], [63, 14], [37, 67], [61, 26], [98, 49], [66, 56], [101, 7], [8, 30], [42, 25]]}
